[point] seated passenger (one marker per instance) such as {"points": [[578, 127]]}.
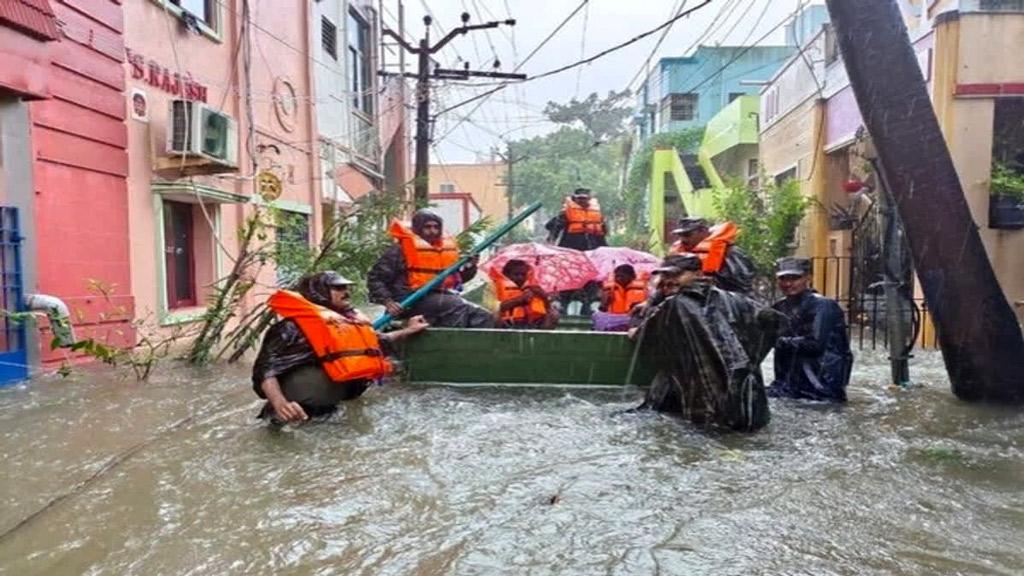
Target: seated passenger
{"points": [[523, 303], [420, 253], [321, 353], [621, 294]]}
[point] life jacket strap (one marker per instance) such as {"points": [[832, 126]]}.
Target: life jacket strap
{"points": [[349, 353]]}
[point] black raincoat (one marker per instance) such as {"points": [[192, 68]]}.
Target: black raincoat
{"points": [[387, 280], [812, 355], [737, 271], [712, 343]]}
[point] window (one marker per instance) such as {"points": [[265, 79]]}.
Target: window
{"points": [[735, 95], [203, 10], [1002, 5], [752, 168], [783, 177], [681, 107], [447, 188], [329, 37], [292, 246], [179, 257], [360, 63]]}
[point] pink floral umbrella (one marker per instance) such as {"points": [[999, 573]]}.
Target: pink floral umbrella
{"points": [[606, 258], [555, 268]]}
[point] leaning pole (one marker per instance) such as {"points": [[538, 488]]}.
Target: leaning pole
{"points": [[978, 332]]}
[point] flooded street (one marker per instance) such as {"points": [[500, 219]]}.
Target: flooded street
{"points": [[503, 481]]}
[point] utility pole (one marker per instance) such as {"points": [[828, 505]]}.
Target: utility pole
{"points": [[510, 161], [423, 77]]}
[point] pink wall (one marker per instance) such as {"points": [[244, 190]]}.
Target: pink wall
{"points": [[80, 172], [283, 132]]}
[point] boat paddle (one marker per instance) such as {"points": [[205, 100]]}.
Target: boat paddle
{"points": [[437, 280]]}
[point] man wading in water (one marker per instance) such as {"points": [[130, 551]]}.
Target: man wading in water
{"points": [[322, 353], [712, 342]]}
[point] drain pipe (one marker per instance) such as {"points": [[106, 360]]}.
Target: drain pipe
{"points": [[58, 313]]}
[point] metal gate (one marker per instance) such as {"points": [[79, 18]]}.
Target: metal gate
{"points": [[13, 353]]}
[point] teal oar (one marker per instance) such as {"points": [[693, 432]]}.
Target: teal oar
{"points": [[437, 280]]}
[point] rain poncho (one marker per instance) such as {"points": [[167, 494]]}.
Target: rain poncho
{"points": [[387, 280], [285, 354], [712, 342], [812, 355], [736, 273]]}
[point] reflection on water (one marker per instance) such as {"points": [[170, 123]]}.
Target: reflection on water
{"points": [[504, 481]]}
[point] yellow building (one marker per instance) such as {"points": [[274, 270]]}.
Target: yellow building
{"points": [[969, 52], [485, 182]]}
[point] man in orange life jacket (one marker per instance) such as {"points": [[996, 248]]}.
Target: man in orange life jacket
{"points": [[522, 302], [419, 254], [321, 353], [722, 260], [580, 226], [621, 294]]}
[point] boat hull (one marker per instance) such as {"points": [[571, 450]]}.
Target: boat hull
{"points": [[524, 357]]}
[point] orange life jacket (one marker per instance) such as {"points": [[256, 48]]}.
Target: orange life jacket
{"points": [[581, 220], [712, 249], [424, 260], [625, 297], [346, 351], [505, 289]]}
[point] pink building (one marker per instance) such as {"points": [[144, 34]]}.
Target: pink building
{"points": [[247, 72]]}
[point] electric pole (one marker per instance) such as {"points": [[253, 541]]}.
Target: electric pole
{"points": [[423, 76], [510, 161]]}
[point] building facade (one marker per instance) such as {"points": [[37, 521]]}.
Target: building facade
{"points": [[485, 182], [64, 162], [812, 130]]}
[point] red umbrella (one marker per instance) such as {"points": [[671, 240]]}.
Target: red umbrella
{"points": [[606, 258], [556, 268]]}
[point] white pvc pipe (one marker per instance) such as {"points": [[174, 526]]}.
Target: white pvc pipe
{"points": [[58, 313]]}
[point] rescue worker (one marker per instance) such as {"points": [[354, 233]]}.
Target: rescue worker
{"points": [[418, 255], [721, 259], [813, 359], [522, 302], [322, 351], [621, 294], [579, 226], [710, 344]]}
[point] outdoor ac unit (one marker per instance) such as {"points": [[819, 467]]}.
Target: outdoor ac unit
{"points": [[198, 130]]}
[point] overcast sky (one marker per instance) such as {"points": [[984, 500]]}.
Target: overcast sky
{"points": [[516, 111]]}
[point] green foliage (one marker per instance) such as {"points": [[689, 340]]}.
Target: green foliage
{"points": [[602, 118], [563, 160], [586, 151], [1007, 182], [468, 238], [767, 219], [634, 197]]}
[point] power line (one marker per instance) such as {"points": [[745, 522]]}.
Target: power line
{"points": [[675, 10]]}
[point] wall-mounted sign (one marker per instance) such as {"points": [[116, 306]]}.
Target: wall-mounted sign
{"points": [[159, 76], [269, 186], [139, 105]]}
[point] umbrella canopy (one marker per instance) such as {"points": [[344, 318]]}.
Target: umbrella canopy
{"points": [[556, 268], [606, 258]]}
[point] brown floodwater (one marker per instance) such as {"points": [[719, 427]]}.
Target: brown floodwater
{"points": [[103, 475]]}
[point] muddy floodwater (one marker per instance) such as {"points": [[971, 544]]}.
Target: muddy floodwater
{"points": [[175, 476]]}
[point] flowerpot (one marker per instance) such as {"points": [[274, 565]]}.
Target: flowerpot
{"points": [[1005, 213]]}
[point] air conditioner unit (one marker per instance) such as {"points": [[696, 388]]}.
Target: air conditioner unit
{"points": [[198, 130]]}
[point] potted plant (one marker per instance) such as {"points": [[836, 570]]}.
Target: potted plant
{"points": [[1006, 198]]}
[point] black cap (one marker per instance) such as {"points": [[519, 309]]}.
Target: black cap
{"points": [[581, 192], [792, 267], [689, 224], [678, 263]]}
